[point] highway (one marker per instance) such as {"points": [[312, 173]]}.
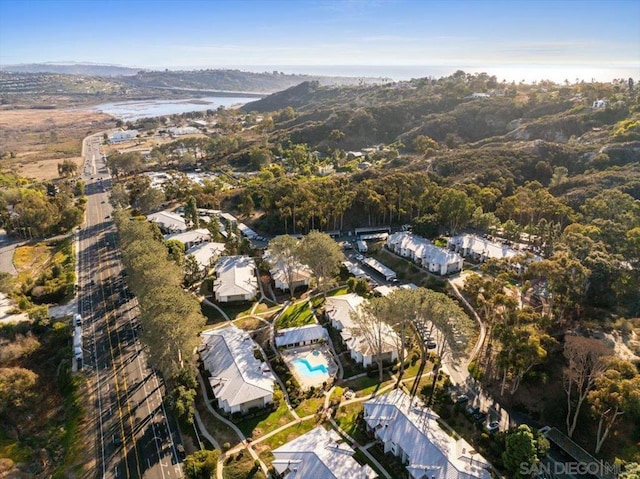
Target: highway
{"points": [[134, 438]]}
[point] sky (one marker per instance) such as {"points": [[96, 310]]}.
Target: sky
{"points": [[512, 39]]}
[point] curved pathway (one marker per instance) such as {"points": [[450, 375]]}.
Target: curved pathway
{"points": [[243, 439]]}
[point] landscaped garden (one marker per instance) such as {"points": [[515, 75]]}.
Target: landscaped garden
{"points": [[241, 466], [262, 424]]}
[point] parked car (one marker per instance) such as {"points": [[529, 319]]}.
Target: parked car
{"points": [[471, 410], [479, 416], [492, 427], [462, 398], [431, 344]]}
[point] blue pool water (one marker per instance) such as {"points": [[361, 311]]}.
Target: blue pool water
{"points": [[309, 371]]}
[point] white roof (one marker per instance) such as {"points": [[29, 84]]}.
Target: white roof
{"points": [[237, 376], [300, 334], [319, 454], [301, 272], [483, 246], [235, 275], [168, 220], [423, 248], [378, 266], [203, 253], [384, 290], [245, 230], [192, 236], [354, 269], [228, 217], [407, 422], [340, 308]]}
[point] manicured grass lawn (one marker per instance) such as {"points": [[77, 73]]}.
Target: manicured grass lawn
{"points": [[364, 386], [241, 466], [236, 310], [212, 314], [298, 314], [309, 406], [260, 425], [338, 291], [347, 419], [249, 324], [265, 447]]}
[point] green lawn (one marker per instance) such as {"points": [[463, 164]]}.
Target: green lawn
{"points": [[309, 406], [298, 314], [241, 466], [339, 291], [265, 447], [236, 310], [212, 314], [347, 419], [365, 386], [260, 425]]}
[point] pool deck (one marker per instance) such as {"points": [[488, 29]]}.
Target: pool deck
{"points": [[307, 352]]}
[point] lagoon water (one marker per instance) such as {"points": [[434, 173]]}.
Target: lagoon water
{"points": [[134, 110]]}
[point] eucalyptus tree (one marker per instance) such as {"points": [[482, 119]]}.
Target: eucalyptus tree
{"points": [[323, 256], [586, 362], [615, 392]]}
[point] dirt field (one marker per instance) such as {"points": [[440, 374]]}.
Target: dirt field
{"points": [[33, 142]]}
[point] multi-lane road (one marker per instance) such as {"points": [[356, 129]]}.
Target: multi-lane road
{"points": [[134, 438]]}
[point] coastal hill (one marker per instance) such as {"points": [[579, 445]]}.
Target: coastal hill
{"points": [[480, 128], [66, 85]]}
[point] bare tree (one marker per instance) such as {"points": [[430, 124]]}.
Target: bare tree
{"points": [[284, 253], [587, 362], [398, 310], [376, 333]]}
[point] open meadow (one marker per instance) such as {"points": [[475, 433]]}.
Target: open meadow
{"points": [[34, 141]]}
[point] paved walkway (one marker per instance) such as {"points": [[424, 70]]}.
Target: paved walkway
{"points": [[243, 439]]}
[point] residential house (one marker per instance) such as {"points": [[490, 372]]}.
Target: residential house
{"points": [[480, 249], [235, 279], [410, 431], [182, 130], [340, 310], [168, 222], [301, 273], [206, 253], [319, 454], [239, 381], [123, 135], [424, 253], [300, 336], [190, 238]]}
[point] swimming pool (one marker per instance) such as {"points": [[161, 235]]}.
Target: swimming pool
{"points": [[307, 370]]}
